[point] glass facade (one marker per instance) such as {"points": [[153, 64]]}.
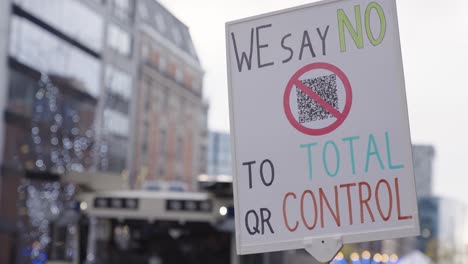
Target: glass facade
{"points": [[22, 93], [87, 27], [219, 154], [38, 49], [49, 122], [116, 119]]}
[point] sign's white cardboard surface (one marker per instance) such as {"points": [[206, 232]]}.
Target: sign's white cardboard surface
{"points": [[319, 126]]}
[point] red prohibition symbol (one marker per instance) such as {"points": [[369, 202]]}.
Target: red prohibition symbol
{"points": [[295, 82]]}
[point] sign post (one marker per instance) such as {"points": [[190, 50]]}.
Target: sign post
{"points": [[319, 126]]}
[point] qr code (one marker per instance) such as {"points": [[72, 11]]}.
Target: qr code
{"points": [[325, 87]]}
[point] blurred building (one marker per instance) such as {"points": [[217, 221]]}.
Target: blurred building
{"points": [[112, 87], [171, 124], [443, 222], [219, 154], [443, 230], [423, 158], [51, 83]]}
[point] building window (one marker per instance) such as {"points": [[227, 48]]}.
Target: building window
{"points": [[123, 9], [180, 149], [117, 103], [162, 143], [162, 152], [188, 79], [154, 59], [119, 40], [118, 82], [44, 52], [160, 23], [118, 89], [195, 84], [116, 123], [179, 75], [204, 159], [177, 36], [143, 10], [145, 140], [144, 153], [165, 100], [46, 113], [21, 93], [162, 64], [70, 17], [146, 93], [172, 67], [148, 103], [161, 170], [146, 51], [114, 159]]}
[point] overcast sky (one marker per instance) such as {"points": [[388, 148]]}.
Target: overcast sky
{"points": [[434, 38]]}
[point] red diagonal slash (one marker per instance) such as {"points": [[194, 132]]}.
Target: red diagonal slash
{"points": [[314, 96]]}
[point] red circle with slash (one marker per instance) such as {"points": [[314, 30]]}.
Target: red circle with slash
{"points": [[295, 82]]}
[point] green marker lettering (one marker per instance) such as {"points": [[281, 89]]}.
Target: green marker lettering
{"points": [[356, 34]]}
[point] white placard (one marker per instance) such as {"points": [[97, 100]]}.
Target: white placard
{"points": [[319, 126]]}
